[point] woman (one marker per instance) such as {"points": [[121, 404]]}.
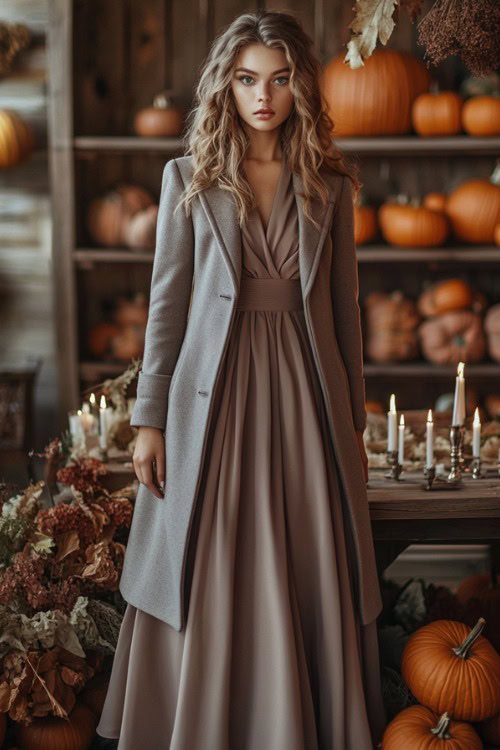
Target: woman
{"points": [[244, 370]]}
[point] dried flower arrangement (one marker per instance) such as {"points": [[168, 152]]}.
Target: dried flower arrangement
{"points": [[467, 28], [60, 607]]}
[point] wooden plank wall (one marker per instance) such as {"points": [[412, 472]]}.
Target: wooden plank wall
{"points": [[26, 293]]}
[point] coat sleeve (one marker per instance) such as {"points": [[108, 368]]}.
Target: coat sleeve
{"points": [[345, 290], [169, 302]]}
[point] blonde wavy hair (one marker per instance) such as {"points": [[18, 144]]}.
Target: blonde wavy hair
{"points": [[215, 138]]}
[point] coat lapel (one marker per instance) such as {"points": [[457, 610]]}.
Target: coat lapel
{"points": [[220, 209]]}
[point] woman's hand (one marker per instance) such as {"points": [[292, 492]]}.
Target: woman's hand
{"points": [[362, 451], [149, 450]]}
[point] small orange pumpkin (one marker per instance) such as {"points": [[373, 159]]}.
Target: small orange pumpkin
{"points": [[77, 732], [444, 296], [99, 338], [108, 215], [481, 115], [474, 209], [435, 201], [437, 113], [162, 119], [365, 224], [418, 726], [449, 667], [409, 225], [17, 138]]}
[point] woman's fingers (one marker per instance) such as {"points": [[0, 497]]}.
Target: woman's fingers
{"points": [[160, 469]]}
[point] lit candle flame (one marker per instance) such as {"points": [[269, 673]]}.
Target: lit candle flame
{"points": [[392, 406], [476, 416], [429, 415], [102, 402], [402, 419]]}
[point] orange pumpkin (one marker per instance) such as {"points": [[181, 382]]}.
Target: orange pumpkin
{"points": [[132, 311], [162, 119], [375, 99], [99, 338], [474, 209], [365, 224], [449, 667], [391, 320], [437, 113], [17, 138], [452, 337], [496, 234], [77, 732], [481, 115], [108, 215], [443, 296], [435, 201], [374, 407], [419, 727], [408, 225]]}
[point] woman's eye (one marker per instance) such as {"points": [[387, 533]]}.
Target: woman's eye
{"points": [[280, 78]]}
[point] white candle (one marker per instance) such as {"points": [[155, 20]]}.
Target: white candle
{"points": [[75, 428], [392, 424], [401, 439], [429, 441], [93, 406], [103, 436], [459, 400], [476, 435], [86, 418]]}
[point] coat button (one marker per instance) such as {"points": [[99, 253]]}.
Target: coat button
{"points": [[225, 296], [203, 393]]}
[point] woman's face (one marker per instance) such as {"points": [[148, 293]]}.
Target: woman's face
{"points": [[261, 81]]}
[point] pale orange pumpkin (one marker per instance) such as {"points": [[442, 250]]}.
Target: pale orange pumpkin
{"points": [[491, 326], [419, 727], [374, 407], [391, 322], [474, 209], [444, 296], [408, 225], [140, 230], [449, 667], [77, 732], [162, 119], [17, 138], [132, 311], [365, 224], [437, 113], [452, 337], [435, 201], [109, 214], [481, 115], [128, 343], [375, 99]]}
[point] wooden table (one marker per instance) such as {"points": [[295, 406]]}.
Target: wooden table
{"points": [[403, 513]]}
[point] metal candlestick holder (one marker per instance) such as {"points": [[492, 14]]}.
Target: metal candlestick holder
{"points": [[456, 454], [395, 467], [476, 468]]}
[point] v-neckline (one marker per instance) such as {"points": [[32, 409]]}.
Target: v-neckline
{"points": [[278, 185]]}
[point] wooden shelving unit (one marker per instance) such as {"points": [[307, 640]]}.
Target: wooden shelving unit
{"points": [[100, 76]]}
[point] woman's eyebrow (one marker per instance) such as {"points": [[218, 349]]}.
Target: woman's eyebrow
{"points": [[281, 70]]}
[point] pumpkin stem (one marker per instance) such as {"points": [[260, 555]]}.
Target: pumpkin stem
{"points": [[463, 649], [442, 726]]}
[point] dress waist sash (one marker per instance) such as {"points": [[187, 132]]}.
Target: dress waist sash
{"points": [[269, 294]]}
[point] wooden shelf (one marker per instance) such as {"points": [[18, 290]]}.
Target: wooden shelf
{"points": [[457, 254], [88, 256], [366, 254], [429, 370], [373, 146]]}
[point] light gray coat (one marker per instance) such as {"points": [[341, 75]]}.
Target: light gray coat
{"points": [[194, 293]]}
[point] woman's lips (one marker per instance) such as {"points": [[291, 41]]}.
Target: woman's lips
{"points": [[264, 115]]}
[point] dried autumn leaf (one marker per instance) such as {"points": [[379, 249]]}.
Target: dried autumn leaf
{"points": [[66, 544], [372, 19]]}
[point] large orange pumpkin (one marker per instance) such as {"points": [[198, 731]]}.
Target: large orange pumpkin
{"points": [[449, 667], [437, 113], [17, 138], [481, 115], [408, 225], [419, 727], [375, 99], [77, 732], [474, 209]]}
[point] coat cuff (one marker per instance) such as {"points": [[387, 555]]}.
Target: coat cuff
{"points": [[150, 408]]}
